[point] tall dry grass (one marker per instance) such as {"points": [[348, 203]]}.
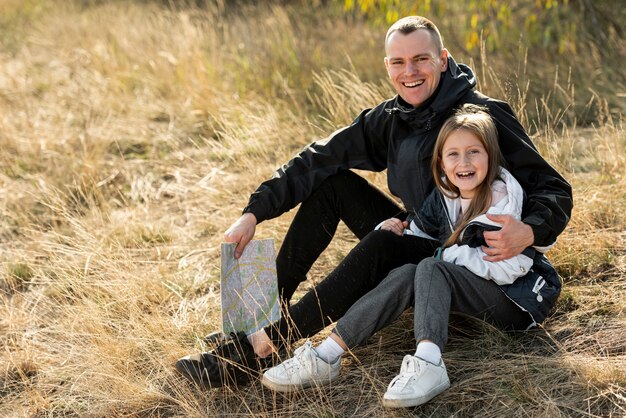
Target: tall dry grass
{"points": [[131, 137]]}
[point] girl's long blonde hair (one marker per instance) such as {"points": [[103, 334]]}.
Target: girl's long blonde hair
{"points": [[474, 119]]}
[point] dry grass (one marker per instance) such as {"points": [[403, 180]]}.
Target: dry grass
{"points": [[131, 136]]}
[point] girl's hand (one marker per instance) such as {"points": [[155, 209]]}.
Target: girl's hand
{"points": [[394, 225]]}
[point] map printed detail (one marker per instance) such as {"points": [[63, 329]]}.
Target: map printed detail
{"points": [[249, 287]]}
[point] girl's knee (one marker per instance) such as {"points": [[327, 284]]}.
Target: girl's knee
{"points": [[407, 270], [400, 283], [427, 265], [430, 268]]}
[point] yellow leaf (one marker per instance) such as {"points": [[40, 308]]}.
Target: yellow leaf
{"points": [[392, 16], [474, 21], [427, 6], [472, 40]]}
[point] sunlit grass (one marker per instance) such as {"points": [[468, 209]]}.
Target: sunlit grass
{"points": [[131, 136]]}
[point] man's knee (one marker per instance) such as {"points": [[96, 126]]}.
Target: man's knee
{"points": [[334, 189], [343, 180], [380, 241]]}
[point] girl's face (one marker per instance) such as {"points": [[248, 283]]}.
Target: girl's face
{"points": [[464, 161]]}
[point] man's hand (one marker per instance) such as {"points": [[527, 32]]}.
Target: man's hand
{"points": [[508, 242], [394, 225], [241, 232]]}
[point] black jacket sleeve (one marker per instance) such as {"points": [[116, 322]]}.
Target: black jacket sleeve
{"points": [[549, 205], [361, 145], [432, 218]]}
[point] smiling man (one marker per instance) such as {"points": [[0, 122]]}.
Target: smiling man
{"points": [[415, 72], [397, 135]]}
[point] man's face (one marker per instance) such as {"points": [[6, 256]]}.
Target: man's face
{"points": [[414, 65]]}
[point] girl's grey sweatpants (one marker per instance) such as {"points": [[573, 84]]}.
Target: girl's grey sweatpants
{"points": [[434, 288]]}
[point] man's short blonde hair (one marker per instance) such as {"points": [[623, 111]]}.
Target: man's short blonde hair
{"points": [[410, 24]]}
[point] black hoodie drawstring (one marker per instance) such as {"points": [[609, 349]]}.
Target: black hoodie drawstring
{"points": [[411, 118]]}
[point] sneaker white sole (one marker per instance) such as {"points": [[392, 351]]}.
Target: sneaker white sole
{"points": [[290, 387], [410, 402], [279, 387]]}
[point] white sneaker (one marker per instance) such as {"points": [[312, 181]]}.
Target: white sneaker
{"points": [[418, 382], [304, 369]]}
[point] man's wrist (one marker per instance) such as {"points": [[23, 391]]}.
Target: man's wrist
{"points": [[538, 232], [250, 217], [248, 210], [530, 233]]}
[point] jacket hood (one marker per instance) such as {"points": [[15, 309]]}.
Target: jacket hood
{"points": [[455, 83]]}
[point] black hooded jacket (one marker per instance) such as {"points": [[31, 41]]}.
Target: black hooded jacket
{"points": [[397, 137]]}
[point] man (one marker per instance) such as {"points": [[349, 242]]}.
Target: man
{"points": [[397, 135]]}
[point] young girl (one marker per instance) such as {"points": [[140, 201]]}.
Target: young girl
{"points": [[513, 294]]}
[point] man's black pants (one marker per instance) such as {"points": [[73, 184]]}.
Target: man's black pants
{"points": [[361, 206]]}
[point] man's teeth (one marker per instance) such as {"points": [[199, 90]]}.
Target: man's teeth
{"points": [[414, 84]]}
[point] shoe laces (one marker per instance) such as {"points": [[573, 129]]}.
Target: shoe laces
{"points": [[304, 357], [409, 369]]}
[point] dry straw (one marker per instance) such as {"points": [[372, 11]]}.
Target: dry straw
{"points": [[131, 135]]}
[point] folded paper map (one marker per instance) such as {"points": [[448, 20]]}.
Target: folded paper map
{"points": [[249, 287]]}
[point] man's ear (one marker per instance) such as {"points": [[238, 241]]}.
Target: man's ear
{"points": [[444, 59], [387, 66]]}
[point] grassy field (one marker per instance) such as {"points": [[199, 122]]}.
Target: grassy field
{"points": [[131, 135]]}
